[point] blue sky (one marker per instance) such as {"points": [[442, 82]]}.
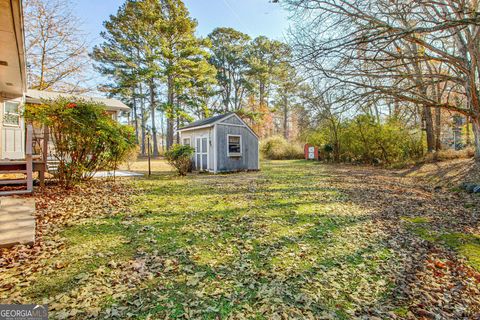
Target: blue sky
{"points": [[254, 17]]}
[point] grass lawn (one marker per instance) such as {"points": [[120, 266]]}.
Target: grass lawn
{"points": [[292, 241]]}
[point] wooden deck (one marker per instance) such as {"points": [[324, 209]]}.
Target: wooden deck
{"points": [[17, 221]]}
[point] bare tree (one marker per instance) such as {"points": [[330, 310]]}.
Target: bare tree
{"points": [[327, 106], [394, 50], [56, 49]]}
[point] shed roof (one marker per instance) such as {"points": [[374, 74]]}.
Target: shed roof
{"points": [[36, 97], [207, 121]]}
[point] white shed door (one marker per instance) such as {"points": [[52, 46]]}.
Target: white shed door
{"points": [[201, 153], [13, 132]]}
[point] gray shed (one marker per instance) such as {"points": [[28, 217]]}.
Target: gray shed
{"points": [[222, 143]]}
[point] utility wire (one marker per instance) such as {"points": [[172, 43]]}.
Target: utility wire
{"points": [[228, 5]]}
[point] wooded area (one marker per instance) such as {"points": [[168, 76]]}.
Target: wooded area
{"points": [[409, 67], [415, 61], [162, 69]]}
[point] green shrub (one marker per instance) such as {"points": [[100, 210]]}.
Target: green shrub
{"points": [[277, 148], [85, 138], [362, 139], [180, 157]]}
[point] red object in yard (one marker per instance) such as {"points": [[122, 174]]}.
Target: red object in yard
{"points": [[311, 152]]}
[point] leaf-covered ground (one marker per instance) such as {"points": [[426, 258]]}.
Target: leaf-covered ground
{"points": [[296, 240]]}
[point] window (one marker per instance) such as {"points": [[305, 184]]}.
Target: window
{"points": [[234, 146], [186, 141], [11, 113]]}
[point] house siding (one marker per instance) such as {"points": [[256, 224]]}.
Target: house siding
{"points": [[11, 136], [249, 158], [233, 120]]}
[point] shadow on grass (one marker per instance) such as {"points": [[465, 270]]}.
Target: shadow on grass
{"points": [[417, 212], [252, 277], [281, 242]]}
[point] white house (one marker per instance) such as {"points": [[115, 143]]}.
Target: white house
{"points": [[16, 152]]}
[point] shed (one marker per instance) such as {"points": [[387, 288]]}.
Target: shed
{"points": [[222, 143]]}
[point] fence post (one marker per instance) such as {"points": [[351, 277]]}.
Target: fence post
{"points": [[148, 154]]}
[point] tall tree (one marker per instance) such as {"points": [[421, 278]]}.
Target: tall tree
{"points": [[122, 59], [229, 56], [153, 42], [56, 52], [184, 57], [151, 17], [287, 95], [264, 58]]}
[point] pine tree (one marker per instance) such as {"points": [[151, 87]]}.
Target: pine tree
{"points": [[184, 57], [150, 43], [265, 57], [120, 57], [230, 48]]}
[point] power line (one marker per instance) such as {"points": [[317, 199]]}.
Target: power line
{"points": [[229, 7]]}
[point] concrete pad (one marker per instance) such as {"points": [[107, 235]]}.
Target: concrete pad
{"points": [[110, 174]]}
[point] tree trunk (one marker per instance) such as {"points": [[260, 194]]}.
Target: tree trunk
{"points": [[177, 136], [467, 125], [285, 117], [152, 110], [476, 136], [438, 129], [262, 93], [162, 130], [427, 114], [135, 115], [143, 120], [170, 113]]}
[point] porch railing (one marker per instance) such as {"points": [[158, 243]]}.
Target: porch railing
{"points": [[29, 157]]}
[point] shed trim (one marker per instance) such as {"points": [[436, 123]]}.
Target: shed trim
{"points": [[258, 155], [196, 128], [234, 154], [241, 120], [215, 148]]}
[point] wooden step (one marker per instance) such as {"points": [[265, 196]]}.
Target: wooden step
{"points": [[4, 219], [17, 221], [24, 235], [13, 172], [4, 182], [17, 224], [14, 192], [12, 167]]}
